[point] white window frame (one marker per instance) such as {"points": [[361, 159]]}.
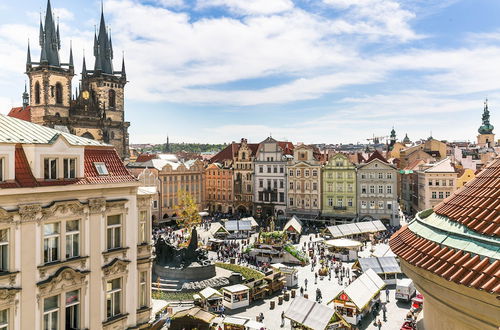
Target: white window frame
{"points": [[363, 204], [47, 174], [111, 296], [48, 239], [70, 237], [389, 189], [67, 168], [101, 168], [114, 228], [330, 202], [5, 325], [48, 314], [143, 229], [380, 205], [372, 204], [389, 175], [349, 202], [143, 293], [75, 305], [4, 245]]}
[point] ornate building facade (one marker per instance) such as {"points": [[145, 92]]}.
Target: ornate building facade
{"points": [[339, 188], [97, 109], [219, 190], [304, 182], [75, 234]]}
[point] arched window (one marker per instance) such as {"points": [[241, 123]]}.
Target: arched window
{"points": [[59, 93], [37, 93], [112, 98], [88, 135]]}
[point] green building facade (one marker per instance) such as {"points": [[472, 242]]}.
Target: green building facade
{"points": [[339, 188]]}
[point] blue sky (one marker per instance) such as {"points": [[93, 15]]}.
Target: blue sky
{"points": [[303, 70]]}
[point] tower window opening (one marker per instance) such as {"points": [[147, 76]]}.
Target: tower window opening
{"points": [[37, 93], [59, 93], [112, 98]]}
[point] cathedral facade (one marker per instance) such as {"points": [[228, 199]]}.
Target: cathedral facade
{"points": [[96, 109]]}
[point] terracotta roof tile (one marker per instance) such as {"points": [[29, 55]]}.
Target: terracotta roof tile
{"points": [[21, 113], [451, 264], [145, 157], [117, 171], [477, 205]]}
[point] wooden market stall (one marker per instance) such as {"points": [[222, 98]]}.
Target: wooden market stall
{"points": [[290, 273], [258, 288], [242, 323], [362, 231], [386, 267], [236, 296], [293, 228], [344, 249], [218, 230], [307, 314], [211, 299], [193, 318], [356, 300], [275, 281]]}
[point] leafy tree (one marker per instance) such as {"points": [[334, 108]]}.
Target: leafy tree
{"points": [[187, 210]]}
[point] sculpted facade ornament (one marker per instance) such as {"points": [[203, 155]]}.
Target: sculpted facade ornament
{"points": [[96, 205], [29, 212], [117, 266], [8, 294], [143, 202], [117, 206], [62, 278], [5, 216], [64, 208]]}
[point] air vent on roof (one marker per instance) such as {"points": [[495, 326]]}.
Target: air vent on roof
{"points": [[101, 168]]}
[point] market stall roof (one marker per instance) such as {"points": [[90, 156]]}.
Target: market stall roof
{"points": [[209, 292], [254, 325], [382, 265], [216, 228], [295, 223], [343, 243], [356, 228], [238, 225], [252, 221], [236, 288], [203, 214], [309, 313], [383, 250], [196, 313], [364, 288], [234, 320]]}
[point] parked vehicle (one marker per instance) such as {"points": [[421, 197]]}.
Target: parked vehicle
{"points": [[405, 289]]}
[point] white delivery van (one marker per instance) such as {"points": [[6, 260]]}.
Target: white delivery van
{"points": [[405, 290]]}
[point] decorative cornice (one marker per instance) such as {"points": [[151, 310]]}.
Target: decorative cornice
{"points": [[64, 275], [116, 266], [8, 294], [97, 205], [28, 212], [5, 216], [74, 207], [143, 202]]}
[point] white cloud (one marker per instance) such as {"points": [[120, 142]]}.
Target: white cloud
{"points": [[249, 7]]}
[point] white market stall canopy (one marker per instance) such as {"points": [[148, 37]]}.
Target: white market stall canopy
{"points": [[252, 221], [382, 250], [309, 313], [343, 243], [382, 265], [209, 293], [364, 288], [238, 225], [356, 228], [294, 223], [217, 228]]}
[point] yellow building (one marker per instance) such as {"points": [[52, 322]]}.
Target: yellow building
{"points": [[451, 255], [465, 176], [75, 235]]}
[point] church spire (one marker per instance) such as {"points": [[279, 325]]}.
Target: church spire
{"points": [[71, 64], [84, 67], [49, 40], [26, 97], [103, 48], [28, 58], [486, 127], [124, 74]]}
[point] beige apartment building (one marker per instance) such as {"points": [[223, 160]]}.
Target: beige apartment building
{"points": [[436, 182], [75, 250], [304, 182], [176, 176]]}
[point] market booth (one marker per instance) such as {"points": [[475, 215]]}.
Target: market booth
{"points": [[210, 299], [193, 318], [307, 314], [356, 300], [293, 228], [218, 231], [238, 228], [386, 267], [236, 296], [290, 273], [359, 230], [242, 323], [344, 249]]}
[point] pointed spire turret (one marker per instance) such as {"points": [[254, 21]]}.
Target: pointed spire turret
{"points": [[41, 35], [124, 74], [103, 48], [26, 97], [49, 40], [58, 36], [84, 66], [28, 58], [71, 64], [486, 127]]}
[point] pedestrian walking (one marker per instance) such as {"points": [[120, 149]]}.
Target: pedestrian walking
{"points": [[379, 324], [387, 294], [282, 319], [301, 291], [305, 282], [384, 312], [315, 278]]}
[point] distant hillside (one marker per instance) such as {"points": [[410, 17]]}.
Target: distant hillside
{"points": [[186, 147]]}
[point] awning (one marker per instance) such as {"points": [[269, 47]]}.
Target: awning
{"points": [[363, 289], [383, 265], [356, 228], [309, 313], [343, 243]]}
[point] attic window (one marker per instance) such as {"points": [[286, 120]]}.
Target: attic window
{"points": [[101, 168]]}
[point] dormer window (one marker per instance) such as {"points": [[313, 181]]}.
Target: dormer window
{"points": [[101, 168], [69, 168], [50, 168]]}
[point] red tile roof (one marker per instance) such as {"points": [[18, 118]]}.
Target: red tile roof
{"points": [[24, 176], [21, 113], [376, 155], [287, 147], [454, 265], [117, 171], [231, 151], [477, 204], [145, 157]]}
